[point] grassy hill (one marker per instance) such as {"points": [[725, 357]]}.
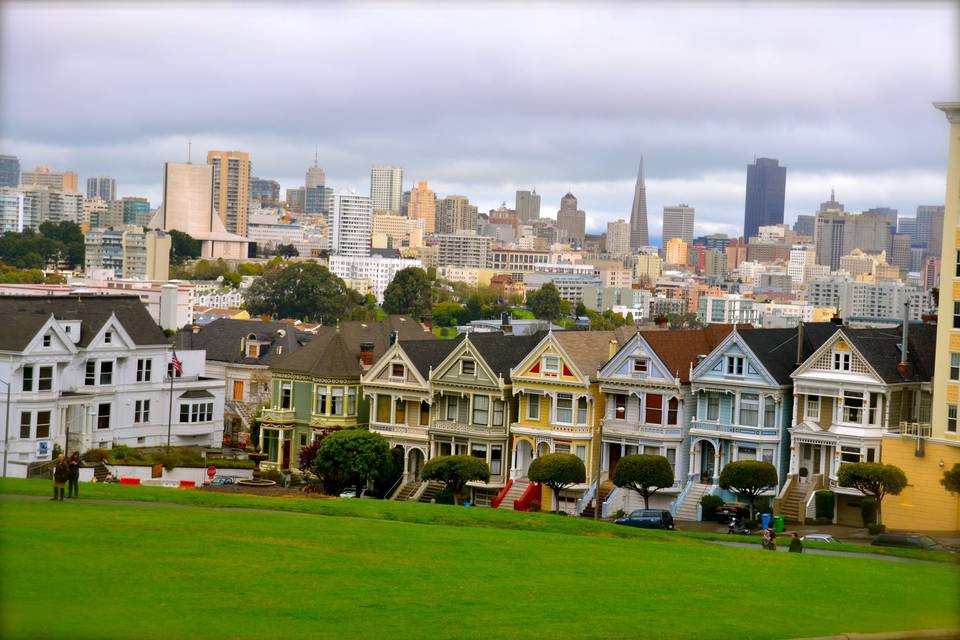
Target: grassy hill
{"points": [[110, 570]]}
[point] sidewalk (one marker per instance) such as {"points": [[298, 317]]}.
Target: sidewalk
{"points": [[840, 532]]}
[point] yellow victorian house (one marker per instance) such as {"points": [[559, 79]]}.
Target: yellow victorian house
{"points": [[560, 405]]}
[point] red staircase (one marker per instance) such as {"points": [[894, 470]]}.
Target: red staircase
{"points": [[495, 503], [530, 497]]}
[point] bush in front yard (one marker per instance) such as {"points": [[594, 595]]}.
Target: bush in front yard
{"points": [[708, 506], [825, 501]]}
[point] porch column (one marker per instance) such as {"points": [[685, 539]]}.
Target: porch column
{"points": [[692, 455], [716, 462], [406, 465]]}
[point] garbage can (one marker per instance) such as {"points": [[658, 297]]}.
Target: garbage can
{"points": [[765, 520], [778, 524]]}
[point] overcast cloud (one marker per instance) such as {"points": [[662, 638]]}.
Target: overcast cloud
{"points": [[487, 99]]}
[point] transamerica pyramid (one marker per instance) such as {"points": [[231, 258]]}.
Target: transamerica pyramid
{"points": [[639, 236]]}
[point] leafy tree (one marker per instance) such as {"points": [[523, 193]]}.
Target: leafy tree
{"points": [[183, 247], [70, 235], [558, 471], [250, 269], [874, 479], [306, 291], [447, 314], [684, 321], [545, 302], [580, 309], [388, 479], [644, 474], [232, 279], [455, 472], [951, 479], [408, 292], [748, 478], [286, 250], [352, 457]]}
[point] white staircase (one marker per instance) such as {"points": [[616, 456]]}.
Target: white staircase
{"points": [[688, 509], [515, 493]]}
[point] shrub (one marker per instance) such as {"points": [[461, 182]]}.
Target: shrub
{"points": [[873, 528], [96, 455], [620, 513], [708, 506], [804, 472], [557, 471], [445, 497], [868, 511], [824, 502], [352, 457], [645, 474], [273, 474]]}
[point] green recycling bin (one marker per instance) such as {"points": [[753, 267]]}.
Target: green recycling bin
{"points": [[778, 524]]}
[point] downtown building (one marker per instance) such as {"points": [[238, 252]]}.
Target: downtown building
{"points": [[766, 191], [9, 171], [372, 273], [386, 188], [231, 188], [527, 206], [128, 252], [55, 180], [351, 229], [103, 187]]}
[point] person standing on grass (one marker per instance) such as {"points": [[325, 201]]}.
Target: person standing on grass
{"points": [[796, 546], [61, 473], [73, 486]]}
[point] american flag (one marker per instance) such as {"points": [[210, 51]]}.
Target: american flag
{"points": [[177, 365]]}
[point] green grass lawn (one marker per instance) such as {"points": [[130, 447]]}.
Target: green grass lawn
{"points": [[129, 570]]}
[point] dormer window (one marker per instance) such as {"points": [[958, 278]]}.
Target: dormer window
{"points": [[734, 365], [468, 367], [551, 365], [841, 361], [47, 340], [253, 350], [396, 370], [108, 337], [641, 365]]}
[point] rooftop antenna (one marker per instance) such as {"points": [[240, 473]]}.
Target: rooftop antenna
{"points": [[316, 155], [189, 150]]}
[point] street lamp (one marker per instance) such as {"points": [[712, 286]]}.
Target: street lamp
{"points": [[6, 431]]}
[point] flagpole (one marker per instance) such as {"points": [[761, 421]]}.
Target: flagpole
{"points": [[173, 372]]}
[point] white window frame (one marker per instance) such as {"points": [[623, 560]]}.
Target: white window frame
{"points": [[842, 360], [285, 386], [565, 397], [551, 359], [141, 411], [481, 409], [453, 406], [533, 406], [749, 402], [954, 365], [144, 370], [952, 418], [845, 410], [808, 404], [463, 367], [641, 366]]}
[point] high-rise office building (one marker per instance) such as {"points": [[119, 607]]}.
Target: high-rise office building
{"points": [[11, 210], [900, 253], [571, 221], [618, 238], [678, 223], [639, 232], [43, 177], [386, 188], [908, 226], [350, 233], [315, 176], [455, 213], [9, 171], [838, 233], [766, 190], [885, 211], [315, 195], [295, 199], [930, 228], [528, 206], [231, 188], [804, 225], [136, 211], [830, 205], [422, 206], [129, 252], [264, 192], [103, 187], [675, 251]]}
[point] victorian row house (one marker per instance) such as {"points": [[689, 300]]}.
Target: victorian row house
{"points": [[86, 371]]}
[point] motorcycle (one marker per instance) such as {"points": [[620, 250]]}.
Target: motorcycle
{"points": [[738, 527]]}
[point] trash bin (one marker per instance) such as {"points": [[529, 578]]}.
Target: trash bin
{"points": [[765, 520], [778, 524]]}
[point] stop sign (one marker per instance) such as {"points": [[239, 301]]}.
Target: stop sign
{"points": [[211, 471]]}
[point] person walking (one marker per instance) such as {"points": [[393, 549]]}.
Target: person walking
{"points": [[61, 473], [796, 546], [73, 485]]}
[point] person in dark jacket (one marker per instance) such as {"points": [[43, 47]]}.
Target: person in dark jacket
{"points": [[796, 546], [61, 473], [73, 485]]}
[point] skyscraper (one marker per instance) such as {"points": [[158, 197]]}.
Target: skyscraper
{"points": [[350, 234], [678, 223], [231, 188], [804, 225], [103, 187], [618, 238], [571, 222], [315, 175], [264, 192], [9, 171], [314, 189], [838, 233], [929, 227], [639, 234], [386, 188], [455, 213], [528, 206], [766, 189], [423, 206]]}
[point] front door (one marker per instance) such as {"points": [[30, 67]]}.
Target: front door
{"points": [[238, 389], [285, 459], [706, 462], [613, 456]]}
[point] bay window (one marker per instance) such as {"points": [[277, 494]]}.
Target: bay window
{"points": [[498, 409], [383, 408], [336, 401], [812, 407], [321, 405], [351, 401], [424, 413], [452, 407], [769, 413], [852, 406], [496, 459], [673, 411], [533, 406], [400, 411]]}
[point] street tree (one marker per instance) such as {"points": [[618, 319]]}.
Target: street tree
{"points": [[645, 474], [408, 292], [305, 291], [455, 472], [874, 479], [558, 471], [545, 302], [749, 478], [352, 458]]}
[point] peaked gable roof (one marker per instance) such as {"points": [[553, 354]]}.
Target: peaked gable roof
{"points": [[222, 338], [427, 354], [502, 352], [881, 348], [589, 350], [776, 349], [26, 315], [679, 349]]}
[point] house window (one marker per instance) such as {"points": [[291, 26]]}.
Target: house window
{"points": [[396, 370], [47, 340], [620, 406], [565, 408], [581, 410], [141, 411], [654, 409], [957, 272], [841, 361], [90, 373], [424, 413], [321, 403], [103, 416], [581, 452], [45, 379], [849, 454], [400, 412], [498, 406], [673, 411], [672, 459], [173, 373], [952, 418], [533, 406], [735, 365], [286, 395], [746, 453], [253, 350], [351, 401], [25, 419], [871, 455], [713, 405], [108, 337], [812, 407], [144, 370], [954, 366], [496, 459], [852, 406], [383, 408], [202, 412], [43, 424], [481, 409], [28, 378], [478, 450], [956, 315], [749, 409], [769, 413], [561, 448], [640, 365], [551, 364], [106, 372], [873, 413], [468, 367], [336, 401], [453, 403], [766, 455]]}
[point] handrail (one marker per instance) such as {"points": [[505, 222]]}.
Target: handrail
{"points": [[675, 505], [584, 502], [605, 507], [495, 503], [533, 492], [392, 491]]}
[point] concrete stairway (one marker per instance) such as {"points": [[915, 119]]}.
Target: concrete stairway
{"points": [[433, 489], [688, 510], [515, 493], [794, 503], [407, 491], [605, 488]]}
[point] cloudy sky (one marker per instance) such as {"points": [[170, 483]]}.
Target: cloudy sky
{"points": [[484, 99]]}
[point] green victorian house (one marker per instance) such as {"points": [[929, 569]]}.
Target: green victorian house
{"points": [[316, 389]]}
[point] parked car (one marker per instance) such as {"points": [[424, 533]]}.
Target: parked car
{"points": [[352, 493], [818, 537], [908, 541], [648, 519], [729, 510], [221, 480]]}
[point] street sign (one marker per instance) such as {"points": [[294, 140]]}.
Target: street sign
{"points": [[211, 471]]}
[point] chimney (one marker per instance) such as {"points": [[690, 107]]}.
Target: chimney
{"points": [[505, 325], [799, 343], [366, 354], [612, 350], [903, 367], [393, 336]]}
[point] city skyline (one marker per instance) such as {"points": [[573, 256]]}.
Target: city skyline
{"points": [[696, 142]]}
